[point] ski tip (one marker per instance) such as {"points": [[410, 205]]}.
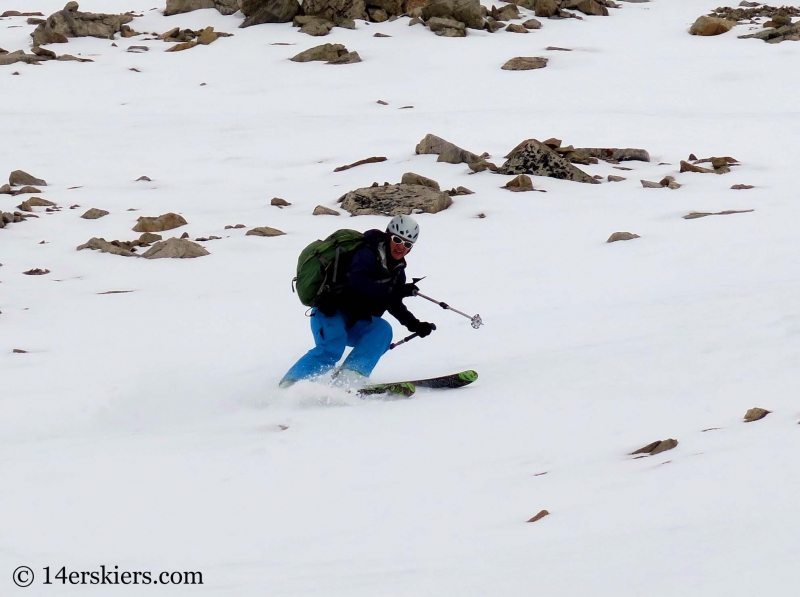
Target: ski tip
{"points": [[469, 375]]}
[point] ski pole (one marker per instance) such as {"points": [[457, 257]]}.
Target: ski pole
{"points": [[475, 320], [409, 337]]}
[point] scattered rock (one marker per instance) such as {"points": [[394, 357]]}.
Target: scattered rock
{"points": [[115, 247], [669, 181], [138, 49], [452, 154], [525, 63], [184, 236], [19, 351], [381, 35], [383, 103], [539, 516], [69, 22], [349, 58], [532, 24], [613, 178], [755, 414], [622, 236], [268, 11], [25, 190], [40, 202], [19, 177], [649, 184], [276, 201], [159, 224], [711, 26], [695, 214], [36, 272], [534, 157], [204, 239], [321, 210], [521, 183], [687, 167], [143, 179], [225, 7], [94, 214], [412, 178], [739, 187], [657, 447], [5, 190], [237, 226], [372, 160], [516, 28], [393, 200], [614, 155], [149, 238], [467, 12], [557, 49], [459, 191], [175, 248], [264, 231], [447, 27], [325, 52]]}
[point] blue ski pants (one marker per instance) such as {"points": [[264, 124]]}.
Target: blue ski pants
{"points": [[369, 339]]}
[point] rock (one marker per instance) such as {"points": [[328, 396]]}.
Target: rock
{"points": [[694, 215], [459, 191], [742, 186], [687, 167], [94, 214], [278, 202], [393, 200], [317, 28], [102, 245], [325, 52], [36, 272], [447, 152], [515, 28], [669, 181], [533, 157], [207, 36], [182, 46], [148, 238], [711, 26], [159, 224], [657, 447], [18, 177], [321, 210], [138, 49], [269, 11], [377, 15], [546, 8], [264, 231], [372, 160], [465, 11], [349, 58], [44, 53], [175, 248], [225, 7], [506, 13], [532, 24], [39, 202], [522, 182], [69, 22], [615, 155], [19, 56], [539, 516], [613, 178], [184, 236], [755, 414], [143, 179], [450, 27], [336, 11], [649, 184], [412, 178], [525, 63], [5, 190], [587, 7], [621, 236], [25, 190]]}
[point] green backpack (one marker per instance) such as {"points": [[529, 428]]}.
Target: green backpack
{"points": [[322, 266]]}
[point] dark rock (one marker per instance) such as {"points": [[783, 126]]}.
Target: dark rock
{"points": [[533, 157], [269, 11]]}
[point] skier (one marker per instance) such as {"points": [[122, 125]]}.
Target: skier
{"points": [[352, 317]]}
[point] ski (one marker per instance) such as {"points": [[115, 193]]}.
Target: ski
{"points": [[447, 382], [404, 389]]}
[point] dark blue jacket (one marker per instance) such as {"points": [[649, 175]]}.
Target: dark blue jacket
{"points": [[374, 279]]}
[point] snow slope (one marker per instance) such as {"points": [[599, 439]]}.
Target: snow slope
{"points": [[142, 430]]}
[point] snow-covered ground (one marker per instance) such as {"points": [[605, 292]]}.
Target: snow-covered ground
{"points": [[143, 429]]}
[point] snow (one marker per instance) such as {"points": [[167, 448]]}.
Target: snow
{"points": [[142, 429]]}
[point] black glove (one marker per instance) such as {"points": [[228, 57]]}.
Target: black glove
{"points": [[406, 290], [422, 328]]}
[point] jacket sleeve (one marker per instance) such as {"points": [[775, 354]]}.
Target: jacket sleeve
{"points": [[398, 310], [363, 268]]}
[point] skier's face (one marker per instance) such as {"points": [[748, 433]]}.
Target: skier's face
{"points": [[398, 250]]}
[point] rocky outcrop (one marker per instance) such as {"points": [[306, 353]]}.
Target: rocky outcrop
{"points": [[69, 22], [161, 223], [394, 200], [269, 11], [534, 157], [225, 7], [175, 248]]}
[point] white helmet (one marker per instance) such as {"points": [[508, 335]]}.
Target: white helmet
{"points": [[405, 227]]}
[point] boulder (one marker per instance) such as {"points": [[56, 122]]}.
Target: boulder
{"points": [[615, 155], [525, 63], [94, 214], [544, 8], [587, 7], [533, 157], [447, 152], [516, 28], [175, 248], [148, 238], [394, 200], [336, 11], [412, 178], [20, 177], [465, 11], [269, 11], [349, 58], [657, 447], [161, 223], [325, 52], [711, 26], [278, 202], [39, 202], [19, 56], [617, 236], [532, 24], [520, 183], [317, 28], [755, 414], [321, 210], [71, 23], [102, 245], [264, 231], [5, 190], [225, 7], [447, 27]]}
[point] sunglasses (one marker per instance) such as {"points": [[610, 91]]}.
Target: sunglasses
{"points": [[399, 241]]}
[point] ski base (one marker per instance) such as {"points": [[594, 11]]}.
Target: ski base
{"points": [[404, 389], [447, 382]]}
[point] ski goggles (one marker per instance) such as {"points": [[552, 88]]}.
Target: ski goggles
{"points": [[399, 241]]}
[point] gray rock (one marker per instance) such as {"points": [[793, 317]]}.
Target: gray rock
{"points": [[532, 24], [617, 236], [225, 7], [264, 231], [412, 178], [321, 210], [447, 152], [525, 63], [393, 200], [71, 23], [657, 447], [336, 10], [325, 52], [5, 190], [613, 178], [161, 223], [149, 238], [269, 11], [94, 214], [19, 177], [649, 184], [533, 157], [175, 248]]}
